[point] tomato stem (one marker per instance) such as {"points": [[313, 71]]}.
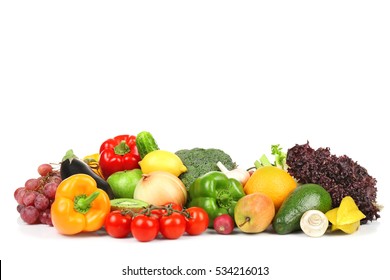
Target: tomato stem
{"points": [[169, 210]]}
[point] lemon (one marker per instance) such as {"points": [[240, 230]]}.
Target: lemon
{"points": [[160, 160]]}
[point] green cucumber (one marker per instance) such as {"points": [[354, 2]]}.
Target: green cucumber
{"points": [[145, 143]]}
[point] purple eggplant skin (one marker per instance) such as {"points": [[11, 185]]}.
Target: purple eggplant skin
{"points": [[72, 166]]}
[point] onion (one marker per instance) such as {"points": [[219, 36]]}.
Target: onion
{"points": [[159, 188]]}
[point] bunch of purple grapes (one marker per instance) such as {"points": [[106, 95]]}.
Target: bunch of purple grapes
{"points": [[36, 197]]}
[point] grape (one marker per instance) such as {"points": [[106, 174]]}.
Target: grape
{"points": [[41, 202], [19, 207], [29, 198], [16, 192], [29, 214], [20, 195], [45, 169], [45, 217], [36, 197], [32, 184], [54, 179], [50, 190]]}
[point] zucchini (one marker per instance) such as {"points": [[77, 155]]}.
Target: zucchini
{"points": [[145, 143], [71, 165]]}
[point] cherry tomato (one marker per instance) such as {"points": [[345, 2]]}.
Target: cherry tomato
{"points": [[174, 206], [161, 212], [198, 221], [144, 228], [117, 224], [172, 226], [157, 213]]}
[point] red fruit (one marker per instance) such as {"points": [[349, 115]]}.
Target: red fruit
{"points": [[44, 169]]}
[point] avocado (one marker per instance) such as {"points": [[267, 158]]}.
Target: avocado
{"points": [[305, 197]]}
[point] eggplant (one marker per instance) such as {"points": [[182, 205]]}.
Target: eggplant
{"points": [[71, 165]]}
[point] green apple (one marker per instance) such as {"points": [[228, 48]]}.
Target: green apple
{"points": [[123, 183]]}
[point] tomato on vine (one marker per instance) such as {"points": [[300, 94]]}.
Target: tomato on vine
{"points": [[173, 206], [197, 220], [166, 209], [144, 228], [170, 219], [117, 224], [172, 226]]}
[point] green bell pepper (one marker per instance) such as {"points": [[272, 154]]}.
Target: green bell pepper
{"points": [[215, 193]]}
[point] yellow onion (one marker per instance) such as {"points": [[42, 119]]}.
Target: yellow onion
{"points": [[159, 188]]}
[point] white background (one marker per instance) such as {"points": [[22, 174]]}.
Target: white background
{"points": [[236, 75]]}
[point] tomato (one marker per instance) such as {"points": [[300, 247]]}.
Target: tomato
{"points": [[174, 206], [172, 226], [117, 224], [198, 221], [166, 209], [144, 228], [157, 213]]}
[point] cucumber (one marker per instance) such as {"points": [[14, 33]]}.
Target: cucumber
{"points": [[303, 198], [145, 143]]}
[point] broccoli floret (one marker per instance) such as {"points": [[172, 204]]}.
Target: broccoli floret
{"points": [[199, 161]]}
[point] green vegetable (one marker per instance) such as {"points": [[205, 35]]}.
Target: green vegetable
{"points": [[199, 161], [145, 143], [280, 158], [215, 193], [303, 198]]}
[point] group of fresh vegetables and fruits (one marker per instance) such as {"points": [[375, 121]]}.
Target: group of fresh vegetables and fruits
{"points": [[131, 187]]}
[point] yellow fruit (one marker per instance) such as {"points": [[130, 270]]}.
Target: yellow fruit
{"points": [[160, 160], [346, 217], [349, 228], [254, 213], [272, 181], [348, 212]]}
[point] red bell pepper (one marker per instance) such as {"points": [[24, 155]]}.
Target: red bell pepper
{"points": [[118, 154]]}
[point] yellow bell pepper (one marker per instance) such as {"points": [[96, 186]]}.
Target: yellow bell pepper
{"points": [[93, 162], [79, 205]]}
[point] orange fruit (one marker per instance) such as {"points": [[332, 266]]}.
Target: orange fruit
{"points": [[272, 181]]}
